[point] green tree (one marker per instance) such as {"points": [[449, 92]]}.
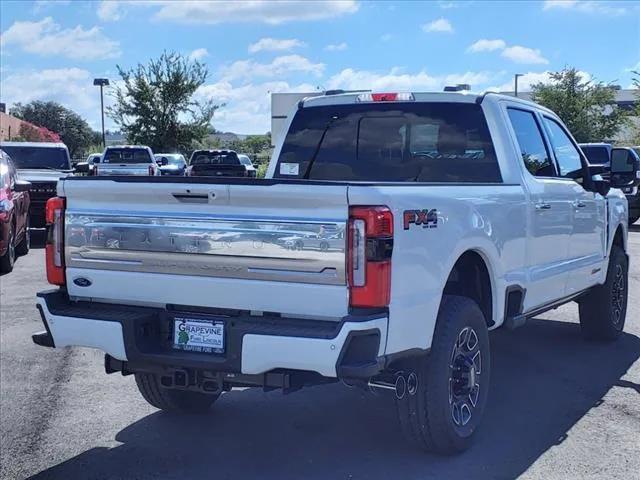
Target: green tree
{"points": [[155, 104], [587, 107], [74, 131], [255, 144]]}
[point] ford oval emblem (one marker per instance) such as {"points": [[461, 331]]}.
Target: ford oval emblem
{"points": [[82, 282]]}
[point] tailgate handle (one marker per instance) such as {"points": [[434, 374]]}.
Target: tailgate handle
{"points": [[193, 197]]}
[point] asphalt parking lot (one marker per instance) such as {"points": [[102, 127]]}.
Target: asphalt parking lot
{"points": [[559, 408]]}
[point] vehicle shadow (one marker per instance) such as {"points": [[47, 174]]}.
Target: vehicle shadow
{"points": [[545, 378], [38, 238]]}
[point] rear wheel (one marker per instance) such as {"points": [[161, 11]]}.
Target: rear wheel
{"points": [[23, 247], [443, 409], [603, 310], [171, 399], [8, 259]]}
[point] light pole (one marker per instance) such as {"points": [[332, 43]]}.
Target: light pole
{"points": [[515, 83], [102, 82]]}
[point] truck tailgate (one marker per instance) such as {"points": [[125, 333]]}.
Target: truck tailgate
{"points": [[122, 169], [274, 248]]}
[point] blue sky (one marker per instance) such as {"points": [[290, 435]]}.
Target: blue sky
{"points": [[51, 50]]}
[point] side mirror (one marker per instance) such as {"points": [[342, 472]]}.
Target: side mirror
{"points": [[624, 168], [21, 186], [81, 167]]}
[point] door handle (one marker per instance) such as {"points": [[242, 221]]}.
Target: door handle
{"points": [[579, 204], [543, 206]]}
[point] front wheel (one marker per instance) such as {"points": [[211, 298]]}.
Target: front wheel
{"points": [[170, 399], [8, 259], [445, 407], [23, 247], [604, 308]]}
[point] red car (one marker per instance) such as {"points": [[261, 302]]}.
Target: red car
{"points": [[14, 214]]}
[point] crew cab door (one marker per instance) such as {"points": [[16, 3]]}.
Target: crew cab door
{"points": [[549, 213], [587, 246]]}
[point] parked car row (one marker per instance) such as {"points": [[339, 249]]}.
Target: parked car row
{"points": [[140, 160]]}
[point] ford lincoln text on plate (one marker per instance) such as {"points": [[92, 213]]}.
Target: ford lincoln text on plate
{"points": [[42, 164], [445, 216]]}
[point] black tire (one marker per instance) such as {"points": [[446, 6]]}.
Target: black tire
{"points": [[437, 416], [23, 247], [171, 399], [324, 246], [9, 258], [603, 310]]}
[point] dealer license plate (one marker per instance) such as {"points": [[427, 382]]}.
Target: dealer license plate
{"points": [[198, 335]]}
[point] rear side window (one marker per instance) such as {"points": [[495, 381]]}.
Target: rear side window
{"points": [[127, 155], [428, 142], [534, 152], [567, 154]]}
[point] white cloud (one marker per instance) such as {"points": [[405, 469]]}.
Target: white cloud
{"points": [[278, 66], [515, 53], [48, 38], [484, 45], [585, 6], [336, 47], [441, 25], [110, 11], [248, 107], [40, 5], [198, 54], [396, 79], [386, 37], [263, 11], [273, 45], [72, 87], [525, 55]]}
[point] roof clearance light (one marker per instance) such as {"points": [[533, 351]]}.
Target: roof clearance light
{"points": [[385, 97]]}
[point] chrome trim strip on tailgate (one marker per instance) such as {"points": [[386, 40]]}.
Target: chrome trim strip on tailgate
{"points": [[304, 250]]}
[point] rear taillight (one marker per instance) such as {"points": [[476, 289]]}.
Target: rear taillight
{"points": [[369, 257], [54, 250]]}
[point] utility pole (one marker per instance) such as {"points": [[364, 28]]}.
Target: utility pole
{"points": [[515, 83], [102, 82]]}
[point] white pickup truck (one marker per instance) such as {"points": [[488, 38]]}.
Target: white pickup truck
{"points": [[446, 215], [126, 160]]}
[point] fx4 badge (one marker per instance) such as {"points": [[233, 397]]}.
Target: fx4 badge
{"points": [[427, 218]]}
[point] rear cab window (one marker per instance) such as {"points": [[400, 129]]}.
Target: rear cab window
{"points": [[34, 157], [397, 142], [127, 155], [214, 158], [597, 155]]}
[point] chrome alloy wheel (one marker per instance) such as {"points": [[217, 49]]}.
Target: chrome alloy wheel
{"points": [[618, 295], [465, 369]]}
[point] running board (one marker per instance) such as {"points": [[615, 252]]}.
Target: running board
{"points": [[520, 320]]}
